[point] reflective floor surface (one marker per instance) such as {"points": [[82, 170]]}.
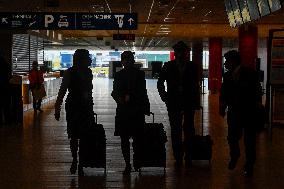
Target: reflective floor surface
{"points": [[37, 155]]}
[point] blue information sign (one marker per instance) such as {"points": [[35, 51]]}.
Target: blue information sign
{"points": [[106, 21], [58, 21], [19, 21], [68, 21]]}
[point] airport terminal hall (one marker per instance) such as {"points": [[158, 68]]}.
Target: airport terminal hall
{"points": [[142, 94]]}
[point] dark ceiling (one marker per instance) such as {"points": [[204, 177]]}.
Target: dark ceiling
{"points": [[188, 20]]}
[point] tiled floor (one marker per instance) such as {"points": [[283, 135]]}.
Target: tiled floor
{"points": [[37, 155]]}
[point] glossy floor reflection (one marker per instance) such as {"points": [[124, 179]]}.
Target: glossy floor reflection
{"points": [[37, 155]]}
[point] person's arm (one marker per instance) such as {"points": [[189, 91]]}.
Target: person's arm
{"points": [[196, 86], [41, 79], [146, 102], [258, 89], [62, 91], [31, 79], [160, 83], [117, 89]]}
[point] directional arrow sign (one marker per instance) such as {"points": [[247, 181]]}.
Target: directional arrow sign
{"points": [[130, 20], [106, 21], [68, 21]]}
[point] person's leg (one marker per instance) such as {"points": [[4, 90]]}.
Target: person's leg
{"points": [[234, 135], [250, 148], [125, 147], [34, 104], [74, 152], [175, 118], [39, 105]]}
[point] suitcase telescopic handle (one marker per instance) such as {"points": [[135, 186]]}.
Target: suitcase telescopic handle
{"points": [[151, 113], [201, 108], [96, 117]]}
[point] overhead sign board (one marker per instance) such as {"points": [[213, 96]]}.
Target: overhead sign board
{"points": [[106, 21], [68, 21], [19, 21], [128, 37], [243, 11], [58, 21]]}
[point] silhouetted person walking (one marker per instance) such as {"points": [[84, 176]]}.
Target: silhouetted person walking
{"points": [[5, 94], [79, 102], [182, 98], [130, 94], [36, 81], [241, 94]]}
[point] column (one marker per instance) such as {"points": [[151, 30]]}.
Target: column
{"points": [[172, 55], [6, 46], [248, 41], [197, 56], [15, 93], [215, 64]]}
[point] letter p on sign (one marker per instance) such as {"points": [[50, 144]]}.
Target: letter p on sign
{"points": [[48, 19]]}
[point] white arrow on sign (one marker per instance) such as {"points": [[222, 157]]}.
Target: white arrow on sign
{"points": [[130, 20], [4, 20]]}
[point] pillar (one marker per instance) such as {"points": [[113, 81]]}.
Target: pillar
{"points": [[197, 56], [6, 46], [215, 64], [172, 55], [248, 42], [15, 89]]}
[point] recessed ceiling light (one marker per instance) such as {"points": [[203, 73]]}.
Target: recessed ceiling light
{"points": [[158, 33], [164, 31], [169, 19], [164, 28], [192, 8]]}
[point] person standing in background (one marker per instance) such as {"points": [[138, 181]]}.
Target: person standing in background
{"points": [[36, 82]]}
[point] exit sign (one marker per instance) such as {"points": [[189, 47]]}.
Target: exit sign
{"points": [[128, 37]]}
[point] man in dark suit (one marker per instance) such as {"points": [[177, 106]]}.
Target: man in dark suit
{"points": [[241, 94], [182, 98], [130, 94]]}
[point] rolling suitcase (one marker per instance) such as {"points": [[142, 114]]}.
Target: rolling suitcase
{"points": [[200, 146], [152, 150], [92, 146]]}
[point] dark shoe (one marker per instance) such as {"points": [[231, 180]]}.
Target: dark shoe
{"points": [[80, 171], [73, 167], [232, 164], [127, 170]]}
